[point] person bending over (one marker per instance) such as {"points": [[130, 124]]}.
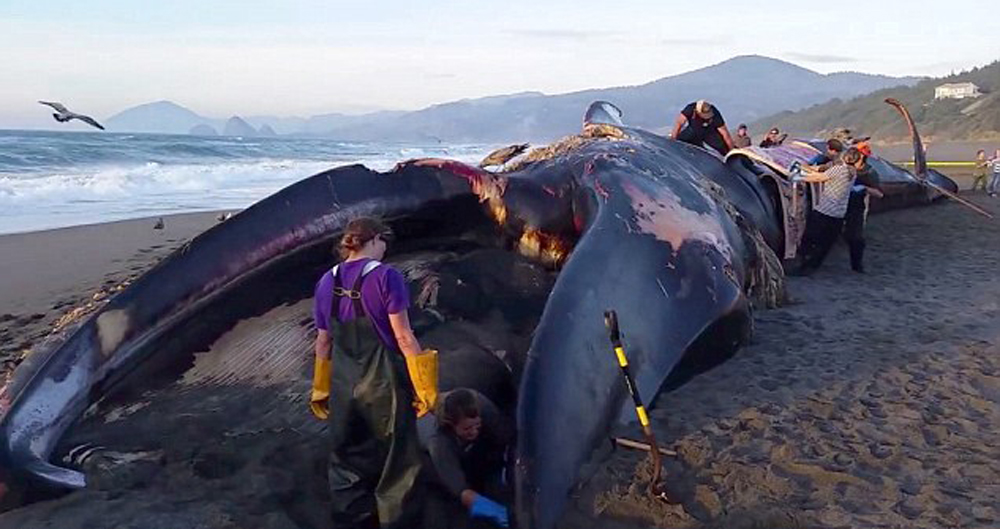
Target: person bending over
{"points": [[826, 219], [468, 452], [700, 123]]}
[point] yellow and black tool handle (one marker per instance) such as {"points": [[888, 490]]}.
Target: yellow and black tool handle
{"points": [[611, 322], [614, 333]]}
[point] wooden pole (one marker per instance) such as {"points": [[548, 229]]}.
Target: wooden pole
{"points": [[639, 445]]}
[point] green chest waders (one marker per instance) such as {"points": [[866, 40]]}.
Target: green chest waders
{"points": [[375, 456]]}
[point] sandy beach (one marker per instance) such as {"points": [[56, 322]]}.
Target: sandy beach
{"points": [[48, 274], [869, 401]]}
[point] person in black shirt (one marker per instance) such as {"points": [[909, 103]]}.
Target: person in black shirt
{"points": [[865, 185], [704, 126], [468, 452]]}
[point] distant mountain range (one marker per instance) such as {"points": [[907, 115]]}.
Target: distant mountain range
{"points": [[743, 88], [954, 119], [167, 117], [170, 118]]}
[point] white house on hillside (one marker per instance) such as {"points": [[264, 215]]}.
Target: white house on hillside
{"points": [[956, 91]]}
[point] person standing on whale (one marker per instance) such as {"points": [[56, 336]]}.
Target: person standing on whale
{"points": [[370, 365], [704, 126], [742, 138]]}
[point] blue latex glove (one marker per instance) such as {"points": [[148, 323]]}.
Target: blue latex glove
{"points": [[483, 507]]}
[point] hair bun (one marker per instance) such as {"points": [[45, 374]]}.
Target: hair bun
{"points": [[358, 232]]}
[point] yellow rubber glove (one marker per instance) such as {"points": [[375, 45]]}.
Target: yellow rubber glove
{"points": [[423, 370], [319, 400]]}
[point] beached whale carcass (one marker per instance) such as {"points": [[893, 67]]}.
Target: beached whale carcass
{"points": [[774, 167], [660, 231]]}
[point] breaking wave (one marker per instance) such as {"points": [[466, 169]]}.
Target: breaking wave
{"points": [[51, 180]]}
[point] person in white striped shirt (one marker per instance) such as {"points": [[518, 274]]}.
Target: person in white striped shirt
{"points": [[826, 219], [995, 180]]}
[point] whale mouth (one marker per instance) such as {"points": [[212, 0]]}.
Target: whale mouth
{"points": [[239, 367]]}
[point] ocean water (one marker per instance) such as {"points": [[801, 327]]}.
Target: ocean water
{"points": [[58, 179]]}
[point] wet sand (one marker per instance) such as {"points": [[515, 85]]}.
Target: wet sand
{"points": [[870, 401]]}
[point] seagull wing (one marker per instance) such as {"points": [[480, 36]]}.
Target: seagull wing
{"points": [[88, 120], [57, 106]]}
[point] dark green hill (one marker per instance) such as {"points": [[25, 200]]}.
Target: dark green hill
{"points": [[938, 120]]}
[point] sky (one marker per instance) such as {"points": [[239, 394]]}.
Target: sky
{"points": [[305, 57]]}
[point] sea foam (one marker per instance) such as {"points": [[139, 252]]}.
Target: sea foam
{"points": [[50, 180]]}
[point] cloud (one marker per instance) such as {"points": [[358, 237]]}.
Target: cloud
{"points": [[575, 35], [812, 57], [703, 41], [617, 37]]}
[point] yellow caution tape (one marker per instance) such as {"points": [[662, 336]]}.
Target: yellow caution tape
{"points": [[943, 164]]}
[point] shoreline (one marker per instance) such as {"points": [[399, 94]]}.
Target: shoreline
{"points": [[50, 273], [150, 218], [23, 254]]}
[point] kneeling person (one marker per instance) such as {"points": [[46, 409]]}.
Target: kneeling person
{"points": [[468, 454]]}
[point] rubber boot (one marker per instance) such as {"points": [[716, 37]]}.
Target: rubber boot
{"points": [[857, 256]]}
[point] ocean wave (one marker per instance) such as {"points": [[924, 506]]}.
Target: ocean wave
{"points": [[152, 178], [192, 149], [50, 180]]}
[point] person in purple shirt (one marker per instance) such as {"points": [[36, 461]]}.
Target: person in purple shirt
{"points": [[377, 374], [383, 292]]}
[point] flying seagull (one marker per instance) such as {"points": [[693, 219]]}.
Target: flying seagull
{"points": [[504, 155], [63, 115]]}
